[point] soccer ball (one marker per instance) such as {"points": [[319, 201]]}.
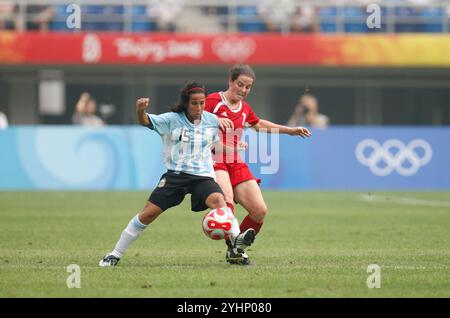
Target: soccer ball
{"points": [[217, 223]]}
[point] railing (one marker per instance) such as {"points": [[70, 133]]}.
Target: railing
{"points": [[213, 16]]}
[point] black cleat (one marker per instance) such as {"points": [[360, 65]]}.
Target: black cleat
{"points": [[236, 252], [236, 257], [108, 261], [244, 240]]}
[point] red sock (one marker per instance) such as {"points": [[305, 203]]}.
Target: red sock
{"points": [[248, 223], [231, 206]]}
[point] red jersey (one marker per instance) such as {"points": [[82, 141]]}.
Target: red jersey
{"points": [[242, 117]]}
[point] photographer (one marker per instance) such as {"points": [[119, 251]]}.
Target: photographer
{"points": [[85, 112], [306, 113]]}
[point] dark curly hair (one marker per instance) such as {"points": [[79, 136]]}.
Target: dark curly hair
{"points": [[189, 89]]}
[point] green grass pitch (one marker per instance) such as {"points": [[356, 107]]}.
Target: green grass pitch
{"points": [[313, 244]]}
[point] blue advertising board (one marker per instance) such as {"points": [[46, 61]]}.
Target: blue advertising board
{"points": [[130, 158]]}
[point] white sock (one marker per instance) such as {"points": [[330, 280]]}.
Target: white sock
{"points": [[129, 235], [235, 230]]}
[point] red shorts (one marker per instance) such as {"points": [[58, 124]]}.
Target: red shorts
{"points": [[239, 172]]}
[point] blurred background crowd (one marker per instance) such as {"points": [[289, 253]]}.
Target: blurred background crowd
{"points": [[326, 16]]}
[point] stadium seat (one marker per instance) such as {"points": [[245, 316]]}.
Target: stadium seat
{"points": [[92, 9], [355, 20], [407, 20], [58, 22], [92, 18], [222, 14], [140, 21], [103, 18], [249, 20], [91, 14], [115, 14], [113, 9], [432, 19], [328, 19]]}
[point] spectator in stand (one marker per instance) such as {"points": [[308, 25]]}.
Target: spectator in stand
{"points": [[165, 13], [37, 17], [7, 16], [304, 20], [276, 14]]}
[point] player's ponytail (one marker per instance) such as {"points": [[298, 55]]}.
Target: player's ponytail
{"points": [[189, 89]]}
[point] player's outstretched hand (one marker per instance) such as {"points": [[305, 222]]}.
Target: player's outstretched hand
{"points": [[242, 145], [142, 103], [300, 131], [225, 123]]}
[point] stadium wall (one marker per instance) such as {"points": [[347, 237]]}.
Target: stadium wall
{"points": [[359, 79], [130, 158]]}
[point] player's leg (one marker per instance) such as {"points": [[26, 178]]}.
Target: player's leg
{"points": [[132, 231], [208, 194], [223, 179], [216, 200], [249, 195], [236, 174], [170, 192], [135, 227], [245, 185]]}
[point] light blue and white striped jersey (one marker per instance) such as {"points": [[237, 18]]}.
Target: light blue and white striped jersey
{"points": [[187, 147]]}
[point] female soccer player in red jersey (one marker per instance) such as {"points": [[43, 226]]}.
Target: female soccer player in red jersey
{"points": [[232, 174]]}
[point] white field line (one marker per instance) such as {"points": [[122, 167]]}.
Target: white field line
{"points": [[404, 200], [62, 269]]}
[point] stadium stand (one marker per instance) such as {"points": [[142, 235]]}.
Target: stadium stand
{"points": [[333, 16]]}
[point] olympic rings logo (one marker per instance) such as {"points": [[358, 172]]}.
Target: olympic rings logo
{"points": [[393, 155]]}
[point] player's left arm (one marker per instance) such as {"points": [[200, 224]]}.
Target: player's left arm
{"points": [[270, 127], [220, 147]]}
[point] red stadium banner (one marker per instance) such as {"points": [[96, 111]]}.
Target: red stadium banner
{"points": [[262, 49]]}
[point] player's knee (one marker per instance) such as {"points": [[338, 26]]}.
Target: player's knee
{"points": [[259, 213], [215, 201], [149, 213]]}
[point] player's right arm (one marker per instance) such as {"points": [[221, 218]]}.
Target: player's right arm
{"points": [[141, 106], [225, 123]]}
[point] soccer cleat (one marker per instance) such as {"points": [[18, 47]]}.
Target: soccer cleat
{"points": [[108, 261], [235, 256], [245, 260], [244, 240]]}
